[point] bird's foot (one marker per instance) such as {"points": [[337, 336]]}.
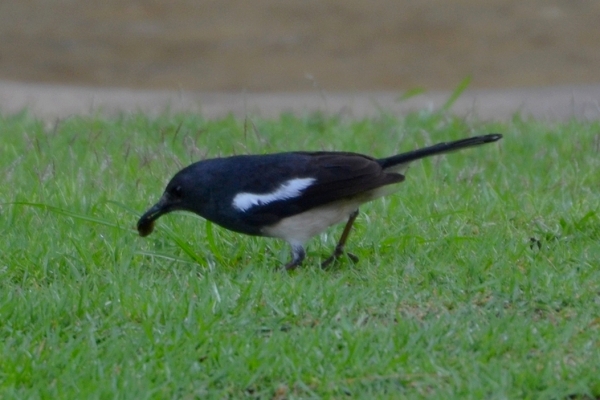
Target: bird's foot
{"points": [[298, 255], [339, 251], [292, 265]]}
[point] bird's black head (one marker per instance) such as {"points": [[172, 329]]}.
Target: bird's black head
{"points": [[187, 191]]}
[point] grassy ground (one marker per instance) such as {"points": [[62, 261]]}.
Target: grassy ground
{"points": [[479, 279]]}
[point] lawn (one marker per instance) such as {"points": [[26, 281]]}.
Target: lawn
{"points": [[480, 278]]}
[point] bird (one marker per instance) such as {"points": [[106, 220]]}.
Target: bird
{"points": [[292, 195]]}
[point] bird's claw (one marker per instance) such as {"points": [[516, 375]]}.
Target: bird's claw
{"points": [[336, 254]]}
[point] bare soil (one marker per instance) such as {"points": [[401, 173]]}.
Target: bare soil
{"points": [[297, 45]]}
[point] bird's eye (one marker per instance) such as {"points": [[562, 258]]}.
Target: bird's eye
{"points": [[176, 192]]}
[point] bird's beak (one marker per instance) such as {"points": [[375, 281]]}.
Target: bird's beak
{"points": [[145, 225]]}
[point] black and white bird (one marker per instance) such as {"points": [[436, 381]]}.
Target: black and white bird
{"points": [[293, 196]]}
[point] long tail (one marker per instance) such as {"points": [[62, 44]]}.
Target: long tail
{"points": [[439, 148]]}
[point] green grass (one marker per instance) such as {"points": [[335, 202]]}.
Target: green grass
{"points": [[480, 278]]}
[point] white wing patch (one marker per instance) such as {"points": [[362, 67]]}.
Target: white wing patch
{"points": [[287, 190]]}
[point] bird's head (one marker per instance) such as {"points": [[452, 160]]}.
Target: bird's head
{"points": [[185, 192]]}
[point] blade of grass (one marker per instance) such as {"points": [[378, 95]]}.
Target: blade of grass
{"points": [[462, 86], [410, 93], [71, 214], [183, 246], [163, 256]]}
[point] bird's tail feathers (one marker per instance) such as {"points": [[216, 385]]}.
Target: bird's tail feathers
{"points": [[439, 148]]}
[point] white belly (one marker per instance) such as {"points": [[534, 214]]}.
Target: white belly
{"points": [[301, 227]]}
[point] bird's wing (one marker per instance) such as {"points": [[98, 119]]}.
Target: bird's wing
{"points": [[322, 178]]}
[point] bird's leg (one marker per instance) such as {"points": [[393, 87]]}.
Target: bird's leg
{"points": [[298, 255], [339, 248]]}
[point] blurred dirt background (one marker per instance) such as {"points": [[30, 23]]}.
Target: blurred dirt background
{"points": [[297, 45]]}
